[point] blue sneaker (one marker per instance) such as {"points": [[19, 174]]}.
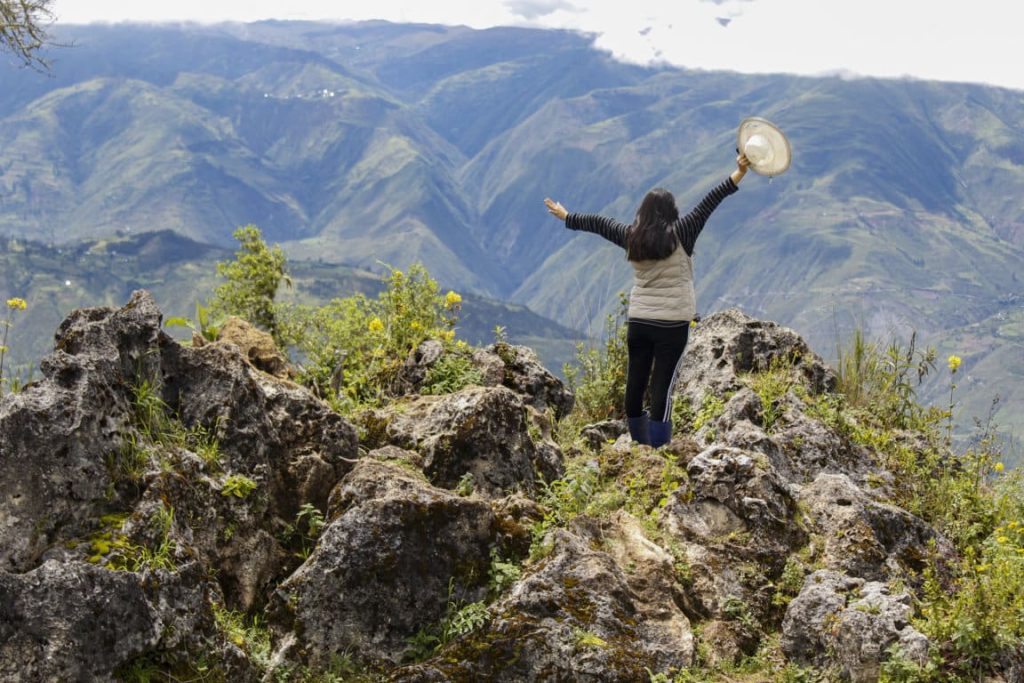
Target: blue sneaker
{"points": [[638, 428], [660, 433]]}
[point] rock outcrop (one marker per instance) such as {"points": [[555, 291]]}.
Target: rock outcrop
{"points": [[395, 552], [158, 499], [134, 471]]}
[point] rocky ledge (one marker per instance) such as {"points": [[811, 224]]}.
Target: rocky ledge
{"points": [[191, 510]]}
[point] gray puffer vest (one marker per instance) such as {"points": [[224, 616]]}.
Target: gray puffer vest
{"points": [[663, 288]]}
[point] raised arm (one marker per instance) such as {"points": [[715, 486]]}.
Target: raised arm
{"points": [[608, 228], [689, 227]]}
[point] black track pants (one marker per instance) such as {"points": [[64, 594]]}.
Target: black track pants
{"points": [[658, 347]]}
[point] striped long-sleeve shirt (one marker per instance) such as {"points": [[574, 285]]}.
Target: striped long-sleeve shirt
{"points": [[687, 228]]}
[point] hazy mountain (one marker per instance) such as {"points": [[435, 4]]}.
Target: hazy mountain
{"points": [[362, 143]]}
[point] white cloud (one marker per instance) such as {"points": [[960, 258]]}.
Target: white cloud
{"points": [[945, 40], [534, 9]]}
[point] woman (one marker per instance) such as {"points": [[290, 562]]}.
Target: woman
{"points": [[659, 245]]}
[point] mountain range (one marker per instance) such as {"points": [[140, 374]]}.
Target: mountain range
{"points": [[357, 144]]}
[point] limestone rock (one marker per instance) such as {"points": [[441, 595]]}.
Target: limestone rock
{"points": [[599, 434], [269, 429], [523, 373], [56, 436], [257, 346], [234, 535], [729, 343], [734, 492], [514, 367], [395, 551], [578, 617], [725, 643], [479, 431], [78, 622], [865, 538], [851, 624]]}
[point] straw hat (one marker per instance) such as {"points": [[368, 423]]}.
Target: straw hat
{"points": [[765, 146]]}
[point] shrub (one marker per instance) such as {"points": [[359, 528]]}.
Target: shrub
{"points": [[351, 349], [252, 279]]}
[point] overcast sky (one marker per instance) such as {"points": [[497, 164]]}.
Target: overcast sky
{"points": [[954, 40]]}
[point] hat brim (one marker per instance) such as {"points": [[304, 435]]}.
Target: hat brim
{"points": [[781, 155]]}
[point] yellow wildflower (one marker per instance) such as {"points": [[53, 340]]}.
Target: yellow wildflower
{"points": [[461, 345], [17, 304], [998, 467], [415, 326], [1002, 540], [448, 335], [981, 567], [452, 299], [954, 363], [693, 323], [376, 325]]}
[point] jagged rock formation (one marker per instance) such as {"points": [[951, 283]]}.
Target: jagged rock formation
{"points": [[151, 490]]}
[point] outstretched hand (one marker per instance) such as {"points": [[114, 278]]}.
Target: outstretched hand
{"points": [[556, 209], [742, 164]]}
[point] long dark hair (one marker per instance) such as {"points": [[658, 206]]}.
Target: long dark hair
{"points": [[651, 236]]}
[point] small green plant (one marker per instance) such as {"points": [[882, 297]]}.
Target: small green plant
{"points": [[130, 461], [586, 638], [309, 522], [500, 335], [771, 385], [150, 412], [126, 556], [790, 582], [465, 485], [249, 633], [711, 408], [204, 443], [734, 608], [13, 305], [238, 485], [452, 372], [659, 677], [464, 621], [502, 575], [954, 364], [201, 325], [460, 619], [898, 669], [421, 645]]}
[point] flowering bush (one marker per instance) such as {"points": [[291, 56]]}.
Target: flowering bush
{"points": [[352, 348]]}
